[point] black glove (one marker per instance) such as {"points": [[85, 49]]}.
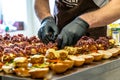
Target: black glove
{"points": [[48, 31], [72, 32]]}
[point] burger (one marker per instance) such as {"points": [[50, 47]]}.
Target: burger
{"points": [[21, 66], [58, 60], [21, 62], [37, 59], [51, 54], [8, 67], [71, 50]]}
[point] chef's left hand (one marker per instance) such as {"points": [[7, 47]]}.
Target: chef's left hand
{"points": [[72, 32]]}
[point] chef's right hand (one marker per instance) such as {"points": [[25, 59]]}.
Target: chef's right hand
{"points": [[72, 32], [48, 30]]}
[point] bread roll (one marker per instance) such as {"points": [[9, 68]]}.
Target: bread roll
{"points": [[21, 62], [38, 72], [88, 58], [37, 59], [59, 67], [114, 52], [106, 54], [23, 72], [69, 62], [97, 56], [78, 61]]}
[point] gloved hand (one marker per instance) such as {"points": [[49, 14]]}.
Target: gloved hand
{"points": [[72, 32], [48, 31]]}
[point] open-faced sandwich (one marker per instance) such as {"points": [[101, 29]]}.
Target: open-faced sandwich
{"points": [[97, 56], [88, 58], [37, 72], [39, 68], [8, 67], [78, 61], [37, 59], [114, 52], [21, 66], [58, 60], [71, 50], [106, 54]]}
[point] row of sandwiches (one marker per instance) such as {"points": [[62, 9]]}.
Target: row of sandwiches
{"points": [[55, 61]]}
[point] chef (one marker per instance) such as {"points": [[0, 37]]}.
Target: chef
{"points": [[75, 18]]}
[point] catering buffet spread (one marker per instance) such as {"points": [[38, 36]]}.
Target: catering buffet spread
{"points": [[28, 57]]}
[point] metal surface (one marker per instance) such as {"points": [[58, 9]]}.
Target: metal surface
{"points": [[99, 72], [103, 70]]}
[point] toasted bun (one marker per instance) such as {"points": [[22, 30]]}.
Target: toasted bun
{"points": [[78, 61], [37, 59], [106, 54], [118, 48], [71, 50], [59, 67], [50, 54], [58, 54], [7, 69], [38, 72], [20, 59], [97, 56], [114, 52], [37, 56], [62, 54], [88, 58], [21, 62], [23, 72], [69, 62]]}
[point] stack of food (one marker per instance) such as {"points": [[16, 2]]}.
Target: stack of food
{"points": [[58, 60], [17, 55], [21, 66], [29, 57], [39, 68]]}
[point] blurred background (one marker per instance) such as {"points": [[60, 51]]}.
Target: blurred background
{"points": [[18, 16]]}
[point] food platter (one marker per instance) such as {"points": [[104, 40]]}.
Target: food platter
{"points": [[23, 58], [80, 73]]}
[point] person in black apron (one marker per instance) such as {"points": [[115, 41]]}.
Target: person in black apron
{"points": [[66, 21]]}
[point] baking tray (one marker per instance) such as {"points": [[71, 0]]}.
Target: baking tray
{"points": [[102, 70]]}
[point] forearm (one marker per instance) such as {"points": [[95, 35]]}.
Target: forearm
{"points": [[42, 8], [103, 16]]}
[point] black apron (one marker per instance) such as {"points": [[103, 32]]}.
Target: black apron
{"points": [[66, 11]]}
